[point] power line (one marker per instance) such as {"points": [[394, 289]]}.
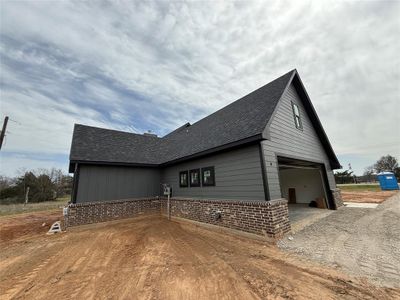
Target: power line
{"points": [[15, 121]]}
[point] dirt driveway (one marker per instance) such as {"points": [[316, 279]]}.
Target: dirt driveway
{"points": [[366, 196], [152, 258], [361, 241]]}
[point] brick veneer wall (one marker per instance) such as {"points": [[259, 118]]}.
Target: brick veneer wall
{"points": [[95, 212], [266, 218], [337, 197]]}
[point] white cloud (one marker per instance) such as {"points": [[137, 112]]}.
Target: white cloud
{"points": [[17, 164], [155, 65]]}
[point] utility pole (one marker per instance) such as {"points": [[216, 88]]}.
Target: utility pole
{"points": [[354, 176], [3, 131], [26, 196]]}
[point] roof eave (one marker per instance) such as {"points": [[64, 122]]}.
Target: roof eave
{"points": [[298, 84], [229, 146], [108, 163]]}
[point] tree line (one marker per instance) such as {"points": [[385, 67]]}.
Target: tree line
{"points": [[37, 185], [385, 163]]}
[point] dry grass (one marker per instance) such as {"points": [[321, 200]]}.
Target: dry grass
{"points": [[12, 209], [359, 187]]}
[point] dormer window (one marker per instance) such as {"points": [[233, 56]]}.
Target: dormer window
{"points": [[296, 116]]}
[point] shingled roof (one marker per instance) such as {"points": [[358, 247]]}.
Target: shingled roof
{"points": [[240, 122], [104, 145]]}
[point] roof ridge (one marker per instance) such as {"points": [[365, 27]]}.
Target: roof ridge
{"points": [[241, 98], [114, 130], [187, 124]]}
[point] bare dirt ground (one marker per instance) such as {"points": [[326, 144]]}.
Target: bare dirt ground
{"points": [[12, 227], [367, 196], [153, 258], [360, 241]]}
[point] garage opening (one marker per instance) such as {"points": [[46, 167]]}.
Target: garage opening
{"points": [[303, 184]]}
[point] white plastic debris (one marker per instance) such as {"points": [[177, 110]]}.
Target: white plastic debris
{"points": [[55, 228], [290, 238], [65, 211]]}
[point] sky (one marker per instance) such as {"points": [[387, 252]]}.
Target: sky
{"points": [[148, 65]]}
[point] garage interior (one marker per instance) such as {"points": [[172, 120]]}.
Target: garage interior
{"points": [[303, 185]]}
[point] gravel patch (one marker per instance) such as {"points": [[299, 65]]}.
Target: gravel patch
{"points": [[363, 242]]}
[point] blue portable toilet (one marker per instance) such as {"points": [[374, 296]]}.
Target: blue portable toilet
{"points": [[388, 181]]}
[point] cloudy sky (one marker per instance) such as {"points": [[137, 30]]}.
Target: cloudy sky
{"points": [[138, 66]]}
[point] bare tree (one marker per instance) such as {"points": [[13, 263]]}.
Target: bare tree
{"points": [[369, 174], [386, 163], [6, 182]]}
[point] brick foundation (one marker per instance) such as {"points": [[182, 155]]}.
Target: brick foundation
{"points": [[337, 197], [95, 212], [264, 218]]}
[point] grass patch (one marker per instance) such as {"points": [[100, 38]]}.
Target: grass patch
{"points": [[359, 187], [13, 209]]}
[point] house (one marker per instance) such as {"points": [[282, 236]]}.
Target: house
{"points": [[267, 146]]}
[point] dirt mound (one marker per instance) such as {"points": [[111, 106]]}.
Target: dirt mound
{"points": [[153, 258], [367, 197], [12, 227]]}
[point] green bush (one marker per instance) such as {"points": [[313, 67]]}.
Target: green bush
{"points": [[41, 188], [46, 185], [10, 192]]}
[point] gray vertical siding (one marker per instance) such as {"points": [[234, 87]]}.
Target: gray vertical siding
{"points": [[238, 175], [101, 183], [286, 139]]}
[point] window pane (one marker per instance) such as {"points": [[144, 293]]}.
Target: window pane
{"points": [[183, 178], [296, 110], [195, 177], [208, 176], [297, 122], [296, 115]]}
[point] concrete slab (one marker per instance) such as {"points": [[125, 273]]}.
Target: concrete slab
{"points": [[361, 205], [301, 215]]}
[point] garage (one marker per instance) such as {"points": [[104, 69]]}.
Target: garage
{"points": [[302, 183]]}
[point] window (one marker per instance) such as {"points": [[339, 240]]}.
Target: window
{"points": [[194, 177], [296, 115], [183, 179], [208, 176]]}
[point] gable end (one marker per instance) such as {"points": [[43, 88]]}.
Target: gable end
{"points": [[312, 115]]}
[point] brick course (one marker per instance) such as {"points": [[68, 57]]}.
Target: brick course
{"points": [[95, 212], [337, 197], [265, 218]]}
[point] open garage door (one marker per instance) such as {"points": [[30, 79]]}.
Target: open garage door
{"points": [[303, 182]]}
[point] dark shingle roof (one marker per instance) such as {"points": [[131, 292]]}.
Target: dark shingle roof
{"points": [[241, 121], [244, 118], [105, 145]]}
